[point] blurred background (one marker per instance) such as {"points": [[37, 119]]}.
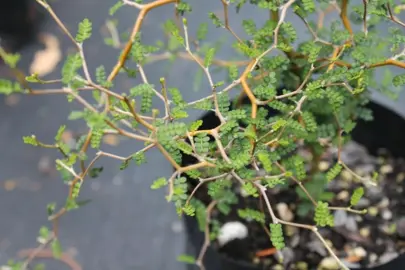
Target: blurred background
{"points": [[127, 225]]}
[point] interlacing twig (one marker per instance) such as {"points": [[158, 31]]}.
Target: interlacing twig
{"points": [[146, 131]]}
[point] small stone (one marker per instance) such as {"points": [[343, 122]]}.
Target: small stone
{"points": [[318, 247], [278, 267], [365, 232], [284, 212], [340, 218], [301, 266], [290, 230], [401, 226], [346, 175], [372, 211], [374, 193], [358, 218], [385, 202], [287, 255], [386, 169], [256, 260], [400, 177], [323, 166], [230, 231], [387, 257], [363, 202], [343, 195], [389, 229], [351, 224], [329, 263], [295, 240], [373, 257], [386, 214], [359, 252]]}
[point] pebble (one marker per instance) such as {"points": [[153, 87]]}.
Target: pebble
{"points": [[278, 267], [401, 226], [386, 169], [365, 232], [389, 229], [329, 263], [288, 255], [284, 212], [388, 256], [374, 193], [363, 202], [373, 257], [386, 214], [232, 230], [372, 211], [385, 202], [318, 247], [291, 230], [400, 177], [323, 166], [301, 266], [346, 175], [343, 195], [340, 218], [359, 252], [351, 224], [295, 240]]}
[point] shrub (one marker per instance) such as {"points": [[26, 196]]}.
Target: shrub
{"points": [[318, 89]]}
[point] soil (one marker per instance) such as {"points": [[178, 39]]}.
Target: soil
{"points": [[360, 240]]}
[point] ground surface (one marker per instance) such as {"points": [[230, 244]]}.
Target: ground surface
{"points": [[126, 226]]}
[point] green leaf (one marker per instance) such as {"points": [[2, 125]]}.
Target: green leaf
{"points": [[195, 125], [59, 134], [189, 210], [323, 216], [69, 70], [11, 59], [56, 249], [31, 140], [95, 172], [185, 147], [233, 72], [398, 80], [33, 78], [209, 57], [7, 87], [334, 172], [84, 32], [356, 196], [215, 20], [96, 137], [50, 208], [250, 189], [116, 7], [186, 259], [276, 235], [159, 183], [250, 214], [101, 77], [202, 31]]}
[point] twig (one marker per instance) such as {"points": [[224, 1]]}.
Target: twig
{"points": [[47, 254], [314, 229], [208, 211]]}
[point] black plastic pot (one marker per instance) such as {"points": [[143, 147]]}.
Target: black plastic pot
{"points": [[19, 23], [387, 130]]}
